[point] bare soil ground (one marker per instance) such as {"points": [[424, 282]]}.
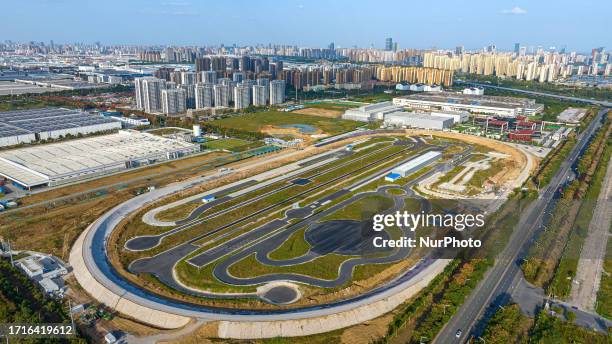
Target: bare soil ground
{"points": [[516, 156], [320, 112]]}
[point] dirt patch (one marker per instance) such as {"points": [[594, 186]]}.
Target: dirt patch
{"points": [[367, 332], [275, 131], [320, 112], [517, 158], [199, 336]]}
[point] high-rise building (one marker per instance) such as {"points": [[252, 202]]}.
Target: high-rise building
{"points": [[173, 101], [244, 64], [259, 95], [204, 97], [221, 93], [218, 64], [209, 77], [266, 83], [164, 73], [242, 96], [459, 50], [148, 93], [188, 78], [189, 95], [202, 64], [389, 44], [517, 48], [238, 76], [277, 92], [170, 57]]}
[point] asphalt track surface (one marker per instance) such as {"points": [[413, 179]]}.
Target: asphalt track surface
{"points": [[162, 265], [95, 257], [506, 275], [146, 242]]}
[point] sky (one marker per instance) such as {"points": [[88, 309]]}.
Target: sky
{"points": [[577, 25]]}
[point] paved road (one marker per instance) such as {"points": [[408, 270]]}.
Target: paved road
{"points": [[532, 299], [592, 255], [146, 242], [535, 93], [504, 276], [94, 256]]}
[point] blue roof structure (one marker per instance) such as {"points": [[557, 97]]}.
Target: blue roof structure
{"points": [[393, 176]]}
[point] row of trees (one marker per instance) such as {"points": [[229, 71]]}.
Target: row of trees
{"points": [[22, 302]]}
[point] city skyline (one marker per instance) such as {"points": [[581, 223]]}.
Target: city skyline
{"points": [[415, 25]]}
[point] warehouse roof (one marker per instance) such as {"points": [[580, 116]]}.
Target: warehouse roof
{"points": [[41, 164], [50, 119], [423, 158]]}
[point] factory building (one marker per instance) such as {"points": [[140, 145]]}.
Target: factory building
{"points": [[371, 112], [457, 116], [24, 126], [417, 120], [415, 164], [75, 160], [491, 105]]}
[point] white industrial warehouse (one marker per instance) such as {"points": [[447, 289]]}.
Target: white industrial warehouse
{"points": [[70, 161], [25, 126], [416, 164], [493, 105], [417, 120], [371, 112]]}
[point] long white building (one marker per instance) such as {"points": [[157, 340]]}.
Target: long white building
{"points": [[417, 163], [371, 112], [74, 160], [417, 120], [25, 126], [447, 101]]}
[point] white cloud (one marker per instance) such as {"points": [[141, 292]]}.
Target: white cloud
{"points": [[515, 11]]}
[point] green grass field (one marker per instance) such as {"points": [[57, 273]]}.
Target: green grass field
{"points": [[295, 246], [324, 267], [257, 122], [232, 144], [362, 209]]}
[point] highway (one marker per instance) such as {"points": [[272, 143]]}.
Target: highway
{"points": [[506, 275], [543, 94]]}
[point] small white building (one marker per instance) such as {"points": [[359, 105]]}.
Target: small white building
{"points": [[474, 91], [40, 267]]}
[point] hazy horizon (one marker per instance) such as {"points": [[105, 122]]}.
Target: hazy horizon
{"points": [[312, 24]]}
